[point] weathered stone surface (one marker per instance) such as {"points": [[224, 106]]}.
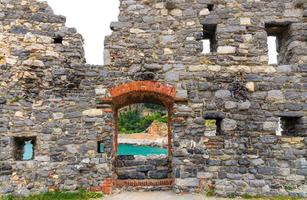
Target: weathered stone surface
{"points": [[250, 86], [244, 105], [153, 66], [228, 124], [48, 92], [230, 105], [222, 94], [92, 112], [187, 182], [172, 76], [226, 50], [245, 21], [270, 126], [275, 95]]}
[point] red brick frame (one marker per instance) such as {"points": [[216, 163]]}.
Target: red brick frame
{"points": [[141, 92], [137, 92]]}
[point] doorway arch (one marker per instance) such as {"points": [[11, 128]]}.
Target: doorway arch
{"points": [[141, 92]]}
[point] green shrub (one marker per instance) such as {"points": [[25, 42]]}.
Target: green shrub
{"points": [[210, 123]]}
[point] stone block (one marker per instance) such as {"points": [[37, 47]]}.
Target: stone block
{"points": [[158, 174], [267, 170], [176, 12], [226, 50], [197, 68], [42, 158], [221, 94], [293, 177], [228, 125], [187, 182], [269, 139], [270, 126], [144, 168], [230, 105], [275, 95], [92, 112], [257, 183], [302, 171], [214, 68], [57, 115], [244, 105], [153, 67], [284, 69], [250, 86], [257, 162], [182, 94], [172, 76], [131, 175], [168, 39], [245, 21], [205, 175]]}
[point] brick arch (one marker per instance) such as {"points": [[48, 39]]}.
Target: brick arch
{"points": [[142, 92]]}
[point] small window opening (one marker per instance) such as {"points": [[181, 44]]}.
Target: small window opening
{"points": [[206, 46], [210, 7], [288, 126], [58, 40], [100, 147], [277, 42], [272, 47], [213, 127], [24, 148], [209, 39]]}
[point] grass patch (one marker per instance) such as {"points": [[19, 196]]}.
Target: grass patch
{"points": [[59, 195], [210, 193], [247, 196]]}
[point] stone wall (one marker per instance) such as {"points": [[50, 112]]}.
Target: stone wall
{"points": [[141, 167], [48, 92]]}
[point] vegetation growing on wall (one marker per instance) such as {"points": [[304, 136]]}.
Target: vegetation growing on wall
{"points": [[132, 121]]}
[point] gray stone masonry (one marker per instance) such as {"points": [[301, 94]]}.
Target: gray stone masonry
{"points": [[47, 91]]}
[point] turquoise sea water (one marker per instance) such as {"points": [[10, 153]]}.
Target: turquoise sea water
{"points": [[27, 151], [129, 149]]}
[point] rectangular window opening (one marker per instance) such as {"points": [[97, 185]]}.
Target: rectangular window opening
{"points": [[58, 40], [209, 38], [100, 147], [213, 127], [272, 49], [24, 148], [210, 7], [206, 46], [288, 126], [277, 41]]}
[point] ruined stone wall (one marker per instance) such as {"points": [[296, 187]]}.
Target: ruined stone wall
{"points": [[161, 41], [47, 91]]}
